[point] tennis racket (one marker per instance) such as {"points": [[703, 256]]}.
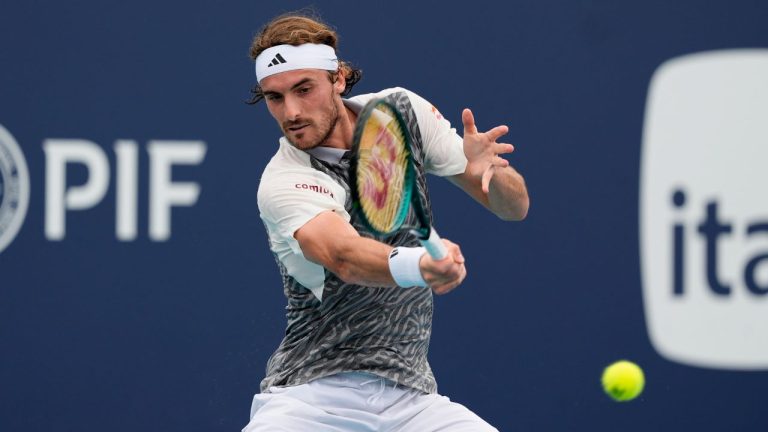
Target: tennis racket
{"points": [[383, 178]]}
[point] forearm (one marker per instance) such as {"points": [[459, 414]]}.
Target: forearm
{"points": [[330, 241], [362, 261], [507, 195]]}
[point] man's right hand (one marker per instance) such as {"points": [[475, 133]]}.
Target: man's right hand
{"points": [[444, 275]]}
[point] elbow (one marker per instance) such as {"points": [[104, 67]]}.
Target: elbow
{"points": [[516, 212], [514, 217], [522, 212]]}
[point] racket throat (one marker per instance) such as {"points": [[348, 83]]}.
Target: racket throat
{"points": [[421, 234], [431, 242]]}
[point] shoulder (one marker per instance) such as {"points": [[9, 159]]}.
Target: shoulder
{"points": [[364, 98], [289, 179], [287, 157], [287, 162], [424, 110]]}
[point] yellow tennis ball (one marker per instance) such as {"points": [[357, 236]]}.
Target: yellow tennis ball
{"points": [[623, 380]]}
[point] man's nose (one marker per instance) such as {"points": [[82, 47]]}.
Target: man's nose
{"points": [[292, 108]]}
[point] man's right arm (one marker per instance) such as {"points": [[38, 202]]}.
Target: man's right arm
{"points": [[330, 241]]}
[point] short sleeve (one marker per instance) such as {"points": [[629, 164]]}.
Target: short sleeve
{"points": [[443, 147], [290, 200]]}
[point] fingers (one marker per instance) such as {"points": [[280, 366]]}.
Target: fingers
{"points": [[485, 182], [469, 121], [454, 251], [445, 275], [471, 128], [492, 135], [448, 287], [497, 132], [503, 148]]}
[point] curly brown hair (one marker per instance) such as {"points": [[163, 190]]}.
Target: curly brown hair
{"points": [[296, 28]]}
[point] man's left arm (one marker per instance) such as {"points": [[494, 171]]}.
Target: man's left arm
{"points": [[488, 178]]}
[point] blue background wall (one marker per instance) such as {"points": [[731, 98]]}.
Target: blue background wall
{"points": [[98, 334]]}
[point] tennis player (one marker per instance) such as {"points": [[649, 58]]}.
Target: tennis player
{"points": [[354, 355]]}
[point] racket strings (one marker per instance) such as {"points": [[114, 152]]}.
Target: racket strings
{"points": [[382, 170]]}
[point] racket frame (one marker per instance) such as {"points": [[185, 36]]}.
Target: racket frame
{"points": [[425, 233]]}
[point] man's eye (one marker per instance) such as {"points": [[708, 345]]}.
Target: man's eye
{"points": [[304, 90], [273, 97]]}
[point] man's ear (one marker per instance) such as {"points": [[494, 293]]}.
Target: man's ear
{"points": [[341, 82]]}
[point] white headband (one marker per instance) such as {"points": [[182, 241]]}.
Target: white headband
{"points": [[283, 58]]}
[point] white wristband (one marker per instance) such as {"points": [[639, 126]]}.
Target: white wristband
{"points": [[404, 266]]}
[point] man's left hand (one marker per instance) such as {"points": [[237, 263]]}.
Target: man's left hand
{"points": [[482, 150]]}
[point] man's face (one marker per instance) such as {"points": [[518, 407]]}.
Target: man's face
{"points": [[305, 104]]}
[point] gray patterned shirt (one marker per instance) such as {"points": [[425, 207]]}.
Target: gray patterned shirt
{"points": [[334, 326]]}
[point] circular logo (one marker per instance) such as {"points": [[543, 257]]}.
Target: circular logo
{"points": [[14, 188]]}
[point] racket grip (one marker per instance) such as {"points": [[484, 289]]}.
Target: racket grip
{"points": [[434, 245]]}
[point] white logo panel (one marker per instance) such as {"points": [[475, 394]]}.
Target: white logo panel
{"points": [[704, 210]]}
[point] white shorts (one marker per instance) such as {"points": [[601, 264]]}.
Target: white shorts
{"points": [[356, 401]]}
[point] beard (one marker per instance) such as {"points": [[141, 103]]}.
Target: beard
{"points": [[322, 129]]}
